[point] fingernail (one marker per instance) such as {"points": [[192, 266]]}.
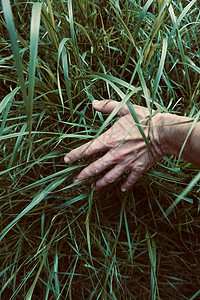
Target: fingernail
{"points": [[96, 102], [123, 190], [76, 180], [67, 160]]}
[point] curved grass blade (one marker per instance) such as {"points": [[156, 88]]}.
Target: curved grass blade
{"points": [[30, 291], [188, 135], [49, 25], [183, 194], [34, 38], [195, 295], [15, 48], [87, 222], [135, 34], [60, 50], [36, 200], [141, 18], [144, 87], [67, 82], [5, 107], [55, 37], [74, 40], [180, 18], [108, 79], [161, 67], [135, 118], [155, 29], [152, 257], [18, 142], [180, 45], [8, 98]]}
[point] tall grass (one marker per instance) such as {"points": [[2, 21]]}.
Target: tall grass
{"points": [[60, 240]]}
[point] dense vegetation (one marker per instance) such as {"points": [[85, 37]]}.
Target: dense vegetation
{"points": [[60, 240]]}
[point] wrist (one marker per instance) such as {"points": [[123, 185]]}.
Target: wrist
{"points": [[172, 131]]}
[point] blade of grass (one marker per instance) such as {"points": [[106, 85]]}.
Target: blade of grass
{"points": [[87, 222], [155, 29], [180, 18], [67, 82], [128, 237], [141, 18], [30, 291], [54, 34], [74, 40], [36, 200], [195, 295], [49, 25], [34, 38], [180, 44], [5, 107], [196, 119], [161, 67], [15, 48], [135, 34], [183, 194], [152, 257], [65, 67], [135, 118]]}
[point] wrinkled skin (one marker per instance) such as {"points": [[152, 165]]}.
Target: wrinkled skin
{"points": [[126, 149]]}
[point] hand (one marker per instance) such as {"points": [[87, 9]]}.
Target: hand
{"points": [[126, 149]]}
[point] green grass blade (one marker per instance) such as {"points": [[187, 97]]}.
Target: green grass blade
{"points": [[141, 18], [180, 18], [5, 107], [135, 118], [67, 82], [195, 295], [128, 237], [15, 48], [60, 50], [183, 194], [180, 44], [135, 34], [49, 24], [196, 119], [30, 291], [34, 39], [37, 199], [18, 142], [73, 35], [161, 67], [87, 222]]}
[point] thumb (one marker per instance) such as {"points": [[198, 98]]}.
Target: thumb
{"points": [[108, 106]]}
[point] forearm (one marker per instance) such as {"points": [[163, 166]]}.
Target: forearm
{"points": [[172, 133]]}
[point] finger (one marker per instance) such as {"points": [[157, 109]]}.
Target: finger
{"points": [[110, 177], [108, 106], [87, 149], [131, 180], [96, 167]]}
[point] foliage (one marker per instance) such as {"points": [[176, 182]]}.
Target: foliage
{"points": [[60, 240]]}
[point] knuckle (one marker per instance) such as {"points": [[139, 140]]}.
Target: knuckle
{"points": [[117, 156], [129, 181], [86, 152], [105, 103], [138, 171], [94, 169], [109, 179], [108, 139]]}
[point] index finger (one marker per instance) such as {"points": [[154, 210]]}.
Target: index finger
{"points": [[86, 150]]}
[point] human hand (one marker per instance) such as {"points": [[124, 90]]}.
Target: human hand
{"points": [[126, 149]]}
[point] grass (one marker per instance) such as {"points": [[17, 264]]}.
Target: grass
{"points": [[60, 240]]}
